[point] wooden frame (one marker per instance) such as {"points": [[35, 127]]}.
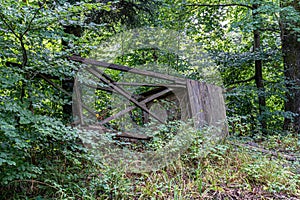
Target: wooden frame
{"points": [[202, 97]]}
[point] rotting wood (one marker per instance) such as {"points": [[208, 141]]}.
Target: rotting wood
{"points": [[196, 103], [79, 103], [98, 73], [203, 102], [108, 89], [151, 85], [121, 91], [123, 68], [207, 106], [132, 136]]}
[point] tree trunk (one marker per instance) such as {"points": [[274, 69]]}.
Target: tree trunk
{"points": [[68, 82], [291, 59], [259, 76]]}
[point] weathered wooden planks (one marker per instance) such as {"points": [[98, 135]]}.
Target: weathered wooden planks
{"points": [[201, 101], [207, 105], [123, 68]]}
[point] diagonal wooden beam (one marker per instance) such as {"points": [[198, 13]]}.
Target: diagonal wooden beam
{"points": [[151, 85], [105, 78], [119, 114], [123, 68]]}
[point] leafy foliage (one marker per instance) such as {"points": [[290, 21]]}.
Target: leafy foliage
{"points": [[41, 155], [32, 132]]}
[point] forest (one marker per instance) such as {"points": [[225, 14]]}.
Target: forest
{"points": [[248, 49]]}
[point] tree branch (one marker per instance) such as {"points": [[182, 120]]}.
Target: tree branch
{"points": [[24, 51], [255, 147], [21, 35], [8, 24], [30, 22], [54, 85], [243, 81], [238, 82], [220, 5]]}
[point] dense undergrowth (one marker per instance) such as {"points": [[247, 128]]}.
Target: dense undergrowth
{"points": [[229, 170], [41, 158]]}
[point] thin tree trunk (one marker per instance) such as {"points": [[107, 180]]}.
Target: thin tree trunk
{"points": [[259, 76], [68, 82], [291, 59]]}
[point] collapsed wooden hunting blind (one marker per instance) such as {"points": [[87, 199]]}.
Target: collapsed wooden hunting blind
{"points": [[171, 98]]}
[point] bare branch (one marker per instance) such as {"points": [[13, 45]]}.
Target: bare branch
{"points": [[20, 37], [8, 24], [220, 5], [30, 22], [54, 84]]}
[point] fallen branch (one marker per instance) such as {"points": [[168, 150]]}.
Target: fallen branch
{"points": [[255, 147]]}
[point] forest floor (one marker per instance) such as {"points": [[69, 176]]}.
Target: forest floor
{"points": [[237, 168]]}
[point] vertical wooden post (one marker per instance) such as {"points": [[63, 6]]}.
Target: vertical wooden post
{"points": [[78, 102], [196, 103], [207, 105]]}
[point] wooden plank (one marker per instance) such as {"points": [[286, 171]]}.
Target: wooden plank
{"points": [[99, 74], [207, 105], [216, 107], [151, 85], [78, 102], [195, 101], [128, 69], [132, 136], [108, 89]]}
